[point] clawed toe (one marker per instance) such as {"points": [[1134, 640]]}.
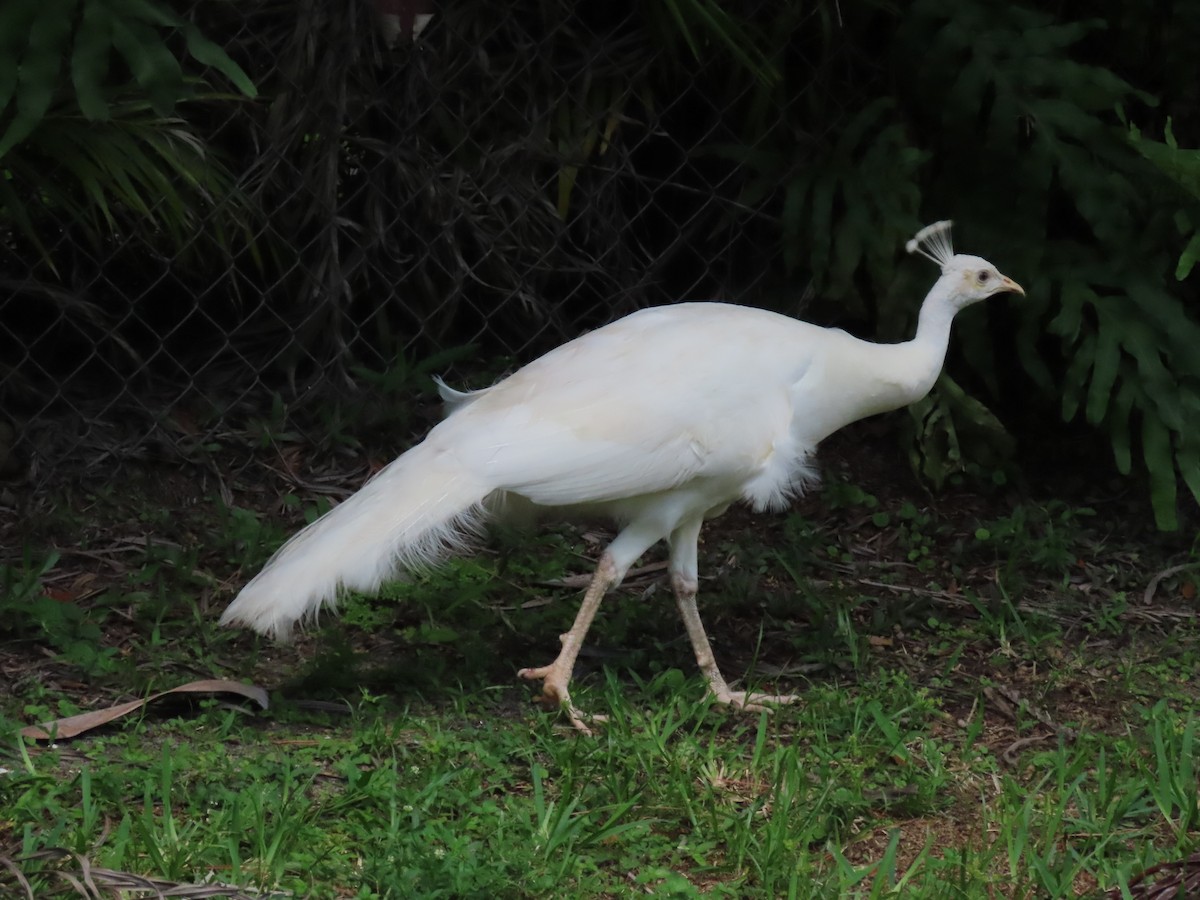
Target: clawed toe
{"points": [[554, 689], [582, 721], [556, 696], [538, 674], [748, 701]]}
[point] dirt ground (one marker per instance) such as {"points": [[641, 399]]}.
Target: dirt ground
{"points": [[101, 516], [105, 519]]}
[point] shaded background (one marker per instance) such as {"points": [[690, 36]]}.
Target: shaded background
{"points": [[232, 224]]}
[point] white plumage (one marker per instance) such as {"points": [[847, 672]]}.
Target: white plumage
{"points": [[658, 421]]}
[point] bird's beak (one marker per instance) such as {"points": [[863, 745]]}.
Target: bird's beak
{"points": [[1012, 286]]}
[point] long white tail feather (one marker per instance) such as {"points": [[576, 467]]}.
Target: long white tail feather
{"points": [[417, 510]]}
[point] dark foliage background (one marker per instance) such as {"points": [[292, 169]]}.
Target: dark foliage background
{"points": [[219, 214]]}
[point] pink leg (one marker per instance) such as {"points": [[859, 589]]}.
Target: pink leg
{"points": [[685, 599], [685, 582], [634, 540], [556, 676]]}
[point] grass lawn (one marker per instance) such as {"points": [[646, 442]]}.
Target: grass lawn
{"points": [[999, 700]]}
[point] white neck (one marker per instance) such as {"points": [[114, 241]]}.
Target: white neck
{"points": [[859, 378], [925, 353]]}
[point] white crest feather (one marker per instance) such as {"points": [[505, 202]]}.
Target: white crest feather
{"points": [[933, 242]]}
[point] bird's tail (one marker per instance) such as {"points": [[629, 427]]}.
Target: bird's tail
{"points": [[411, 514]]}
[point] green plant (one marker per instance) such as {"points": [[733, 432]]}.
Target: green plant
{"points": [[81, 146], [29, 612], [1000, 117], [99, 167], [1041, 129], [1174, 787], [951, 432]]}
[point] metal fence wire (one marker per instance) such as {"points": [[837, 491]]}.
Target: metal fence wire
{"points": [[418, 186]]}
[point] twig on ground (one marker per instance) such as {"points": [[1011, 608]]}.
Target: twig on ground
{"points": [[1152, 586]]}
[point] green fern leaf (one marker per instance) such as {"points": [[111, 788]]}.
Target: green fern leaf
{"points": [[1160, 464], [153, 65], [1187, 259], [1068, 324], [89, 61], [49, 35], [155, 13], [1106, 361], [15, 19], [207, 53], [1076, 376], [1181, 166], [1189, 468], [1157, 381], [1118, 424]]}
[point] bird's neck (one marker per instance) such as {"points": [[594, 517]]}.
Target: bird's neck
{"points": [[927, 350], [864, 379]]}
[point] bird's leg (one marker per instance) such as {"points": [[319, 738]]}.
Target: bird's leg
{"points": [[685, 599], [556, 676], [685, 583]]}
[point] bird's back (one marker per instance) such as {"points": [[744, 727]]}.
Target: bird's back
{"points": [[662, 397], [660, 361]]}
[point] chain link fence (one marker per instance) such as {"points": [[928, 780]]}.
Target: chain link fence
{"points": [[419, 188]]}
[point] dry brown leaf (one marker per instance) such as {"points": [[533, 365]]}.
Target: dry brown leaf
{"points": [[72, 726]]}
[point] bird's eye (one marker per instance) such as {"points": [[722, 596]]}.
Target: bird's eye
{"points": [[984, 276]]}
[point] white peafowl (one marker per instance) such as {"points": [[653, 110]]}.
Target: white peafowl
{"points": [[657, 421]]}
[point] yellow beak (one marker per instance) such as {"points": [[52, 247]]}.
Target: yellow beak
{"points": [[1010, 285]]}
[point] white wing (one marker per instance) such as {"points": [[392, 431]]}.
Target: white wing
{"points": [[660, 398]]}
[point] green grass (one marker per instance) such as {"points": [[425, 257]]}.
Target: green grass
{"points": [[859, 792], [990, 708]]}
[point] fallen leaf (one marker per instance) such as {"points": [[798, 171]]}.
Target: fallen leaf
{"points": [[71, 726]]}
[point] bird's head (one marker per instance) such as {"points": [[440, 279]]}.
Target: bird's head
{"points": [[965, 279]]}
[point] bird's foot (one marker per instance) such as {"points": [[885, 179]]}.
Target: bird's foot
{"points": [[556, 696], [748, 701]]}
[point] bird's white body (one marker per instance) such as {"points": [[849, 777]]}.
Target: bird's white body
{"points": [[659, 420], [709, 395]]}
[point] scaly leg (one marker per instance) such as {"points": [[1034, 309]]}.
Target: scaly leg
{"points": [[634, 540], [685, 582], [556, 676]]}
